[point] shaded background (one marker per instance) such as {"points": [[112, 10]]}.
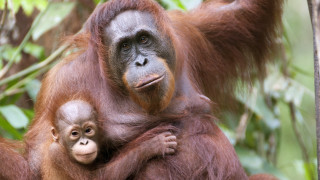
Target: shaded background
{"points": [[272, 125]]}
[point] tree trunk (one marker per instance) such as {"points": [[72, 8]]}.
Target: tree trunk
{"points": [[314, 9]]}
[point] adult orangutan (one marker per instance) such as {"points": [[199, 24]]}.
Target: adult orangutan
{"points": [[145, 67]]}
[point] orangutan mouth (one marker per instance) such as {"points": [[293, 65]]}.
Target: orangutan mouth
{"points": [[149, 81]]}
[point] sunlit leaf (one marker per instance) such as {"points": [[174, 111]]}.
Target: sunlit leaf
{"points": [[2, 4], [55, 13], [41, 4], [294, 94], [275, 84], [302, 168], [99, 1], [173, 4], [189, 4], [14, 116], [291, 90], [33, 88], [16, 5], [27, 6], [8, 127]]}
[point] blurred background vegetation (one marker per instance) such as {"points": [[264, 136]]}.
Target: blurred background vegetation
{"points": [[272, 128]]}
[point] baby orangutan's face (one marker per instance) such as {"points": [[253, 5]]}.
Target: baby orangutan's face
{"points": [[76, 125]]}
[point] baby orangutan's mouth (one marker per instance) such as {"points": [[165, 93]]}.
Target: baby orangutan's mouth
{"points": [[87, 154]]}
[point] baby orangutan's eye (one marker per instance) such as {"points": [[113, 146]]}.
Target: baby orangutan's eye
{"points": [[74, 133]]}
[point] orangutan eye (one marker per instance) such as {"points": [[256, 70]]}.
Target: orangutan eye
{"points": [[74, 133], [143, 39], [125, 46], [88, 130]]}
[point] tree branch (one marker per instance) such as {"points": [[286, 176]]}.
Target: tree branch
{"points": [[4, 16], [34, 67]]}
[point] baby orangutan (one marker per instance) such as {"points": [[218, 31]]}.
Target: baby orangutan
{"points": [[76, 136], [77, 126]]}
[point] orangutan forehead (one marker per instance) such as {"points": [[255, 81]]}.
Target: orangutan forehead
{"points": [[75, 111], [130, 22]]}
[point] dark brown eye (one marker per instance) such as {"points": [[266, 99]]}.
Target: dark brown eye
{"points": [[88, 130], [125, 46], [74, 133], [143, 39]]}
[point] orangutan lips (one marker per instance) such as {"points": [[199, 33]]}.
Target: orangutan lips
{"points": [[149, 81]]}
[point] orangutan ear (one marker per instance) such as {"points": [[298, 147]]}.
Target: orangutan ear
{"points": [[54, 134]]}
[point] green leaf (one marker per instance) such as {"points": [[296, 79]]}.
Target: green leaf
{"points": [[291, 90], [1, 63], [14, 116], [29, 113], [190, 4], [8, 127], [99, 1], [40, 4], [173, 4], [35, 50], [229, 133], [256, 103], [2, 4], [249, 159], [302, 168], [33, 87], [7, 52], [255, 164], [55, 13], [297, 92], [302, 71], [27, 6], [16, 5]]}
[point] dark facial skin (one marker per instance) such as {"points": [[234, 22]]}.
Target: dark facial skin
{"points": [[141, 60], [77, 131]]}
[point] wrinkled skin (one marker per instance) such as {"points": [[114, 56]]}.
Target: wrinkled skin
{"points": [[141, 59]]}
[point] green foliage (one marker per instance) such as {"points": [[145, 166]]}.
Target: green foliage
{"points": [[13, 133], [27, 5], [7, 52], [15, 116], [255, 164], [99, 1], [54, 14], [180, 4], [35, 50], [14, 119], [33, 87]]}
